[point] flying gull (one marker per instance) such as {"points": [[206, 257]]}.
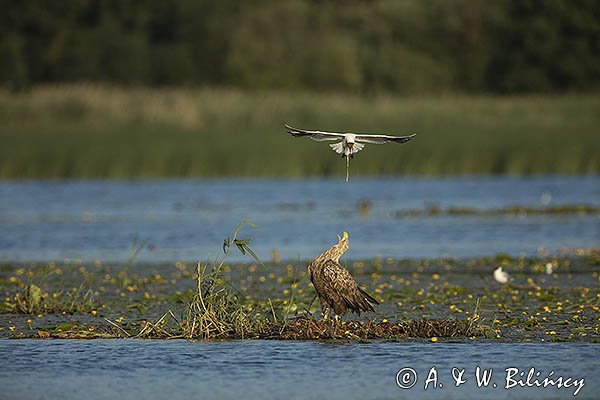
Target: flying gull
{"points": [[350, 143]]}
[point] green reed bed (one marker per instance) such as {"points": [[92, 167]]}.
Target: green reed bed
{"points": [[95, 131]]}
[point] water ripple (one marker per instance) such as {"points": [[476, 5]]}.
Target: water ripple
{"points": [[103, 369]]}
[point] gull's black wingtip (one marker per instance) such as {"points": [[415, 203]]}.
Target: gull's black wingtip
{"points": [[404, 139], [293, 131]]}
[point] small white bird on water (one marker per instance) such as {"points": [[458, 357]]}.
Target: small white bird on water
{"points": [[501, 276], [350, 144]]}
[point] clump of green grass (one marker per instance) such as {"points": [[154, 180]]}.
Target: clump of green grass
{"points": [[215, 309], [29, 300]]}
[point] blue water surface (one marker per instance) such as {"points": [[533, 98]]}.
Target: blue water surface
{"points": [[259, 369], [187, 220]]}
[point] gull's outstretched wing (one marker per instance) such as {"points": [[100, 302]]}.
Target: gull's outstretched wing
{"points": [[314, 135], [381, 139]]}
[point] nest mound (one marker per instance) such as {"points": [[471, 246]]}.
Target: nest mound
{"points": [[300, 328], [310, 329]]}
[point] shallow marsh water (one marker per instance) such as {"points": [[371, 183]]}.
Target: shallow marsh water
{"points": [[178, 369], [186, 220]]}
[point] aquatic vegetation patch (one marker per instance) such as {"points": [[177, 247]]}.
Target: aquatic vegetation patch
{"points": [[71, 331], [31, 299], [431, 211], [552, 298]]}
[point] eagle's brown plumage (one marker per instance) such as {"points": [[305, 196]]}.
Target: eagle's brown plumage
{"points": [[335, 286]]}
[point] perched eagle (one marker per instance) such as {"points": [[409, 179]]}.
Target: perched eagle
{"points": [[335, 286]]}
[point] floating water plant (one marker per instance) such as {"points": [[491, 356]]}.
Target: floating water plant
{"points": [[421, 299], [31, 298]]}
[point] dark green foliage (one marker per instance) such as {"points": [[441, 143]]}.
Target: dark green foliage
{"points": [[410, 46], [547, 45]]}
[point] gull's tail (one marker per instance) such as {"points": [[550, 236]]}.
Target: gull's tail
{"points": [[337, 147]]}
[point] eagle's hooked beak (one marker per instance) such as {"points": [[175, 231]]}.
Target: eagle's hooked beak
{"points": [[344, 237]]}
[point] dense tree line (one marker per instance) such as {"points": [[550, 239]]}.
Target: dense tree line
{"points": [[400, 46]]}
